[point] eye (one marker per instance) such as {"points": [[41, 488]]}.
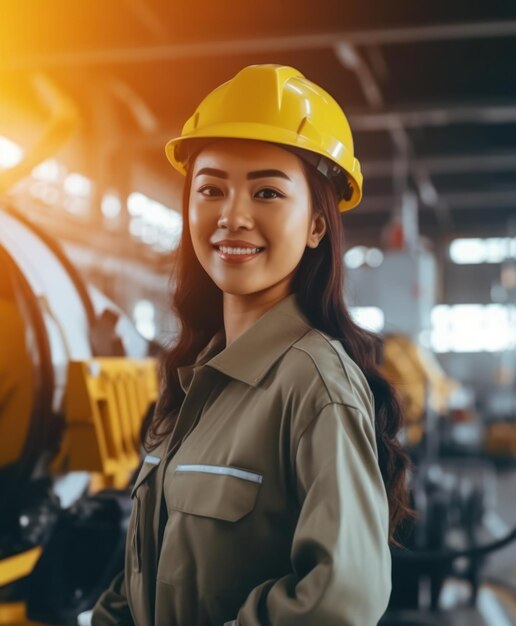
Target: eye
{"points": [[211, 191], [268, 191]]}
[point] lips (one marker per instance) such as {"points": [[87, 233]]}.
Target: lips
{"points": [[236, 243], [237, 251]]}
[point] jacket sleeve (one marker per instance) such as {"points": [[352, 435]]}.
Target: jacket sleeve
{"points": [[341, 563], [112, 608]]}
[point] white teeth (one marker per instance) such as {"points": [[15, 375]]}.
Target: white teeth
{"points": [[226, 250]]}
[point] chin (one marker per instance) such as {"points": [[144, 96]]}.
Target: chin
{"points": [[239, 288], [237, 291]]}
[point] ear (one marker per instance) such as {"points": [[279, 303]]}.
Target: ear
{"points": [[317, 230]]}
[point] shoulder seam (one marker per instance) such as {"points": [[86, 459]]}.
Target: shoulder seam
{"points": [[339, 357], [317, 368], [331, 403], [296, 347]]}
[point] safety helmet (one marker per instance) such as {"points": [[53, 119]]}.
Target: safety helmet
{"points": [[276, 103]]}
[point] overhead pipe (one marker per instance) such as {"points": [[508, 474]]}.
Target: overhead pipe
{"points": [[256, 45]]}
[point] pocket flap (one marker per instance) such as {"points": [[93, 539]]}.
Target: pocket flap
{"points": [[221, 496], [150, 463]]}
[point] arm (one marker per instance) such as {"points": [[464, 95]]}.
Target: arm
{"points": [[112, 608], [341, 567]]}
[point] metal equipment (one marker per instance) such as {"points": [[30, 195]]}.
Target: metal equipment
{"points": [[76, 381]]}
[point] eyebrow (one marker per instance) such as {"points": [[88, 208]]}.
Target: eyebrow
{"points": [[210, 171]]}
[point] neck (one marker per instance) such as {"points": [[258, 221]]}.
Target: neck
{"points": [[241, 312]]}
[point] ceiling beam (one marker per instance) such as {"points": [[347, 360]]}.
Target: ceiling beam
{"points": [[437, 116], [456, 200], [405, 161], [447, 164], [254, 45], [381, 121]]}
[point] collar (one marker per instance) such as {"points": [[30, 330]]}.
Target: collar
{"points": [[253, 353]]}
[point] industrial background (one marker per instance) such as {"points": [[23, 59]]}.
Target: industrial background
{"points": [[90, 219]]}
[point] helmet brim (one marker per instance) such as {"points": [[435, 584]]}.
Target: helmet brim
{"points": [[178, 152]]}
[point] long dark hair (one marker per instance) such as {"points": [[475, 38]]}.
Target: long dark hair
{"points": [[319, 287]]}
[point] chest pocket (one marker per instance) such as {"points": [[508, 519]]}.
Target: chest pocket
{"points": [[216, 491]]}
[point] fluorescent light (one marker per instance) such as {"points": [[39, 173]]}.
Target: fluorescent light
{"points": [[473, 328], [111, 206], [137, 204], [77, 185], [355, 257], [368, 317], [374, 257], [50, 171], [136, 227], [10, 153], [144, 318], [475, 251]]}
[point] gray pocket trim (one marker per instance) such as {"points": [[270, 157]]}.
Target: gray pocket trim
{"points": [[222, 470]]}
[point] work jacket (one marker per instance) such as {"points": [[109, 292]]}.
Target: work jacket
{"points": [[266, 506]]}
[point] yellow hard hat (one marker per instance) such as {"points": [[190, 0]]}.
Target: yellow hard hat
{"points": [[277, 103]]}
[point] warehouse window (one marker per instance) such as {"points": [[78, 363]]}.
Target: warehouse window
{"points": [[51, 183], [456, 328], [153, 223], [50, 170], [145, 318], [491, 250], [473, 328], [368, 317]]}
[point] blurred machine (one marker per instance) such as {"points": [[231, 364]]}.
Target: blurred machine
{"points": [[453, 481], [420, 382], [76, 381]]}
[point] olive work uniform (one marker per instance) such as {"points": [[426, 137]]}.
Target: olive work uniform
{"points": [[276, 512]]}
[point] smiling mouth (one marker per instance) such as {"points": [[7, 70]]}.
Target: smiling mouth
{"points": [[237, 254], [237, 250]]}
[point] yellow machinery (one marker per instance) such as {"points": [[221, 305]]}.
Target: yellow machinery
{"points": [[106, 400], [76, 381], [419, 380]]}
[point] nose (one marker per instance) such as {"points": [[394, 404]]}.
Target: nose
{"points": [[235, 214]]}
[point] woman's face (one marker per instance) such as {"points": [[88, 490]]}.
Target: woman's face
{"points": [[250, 216]]}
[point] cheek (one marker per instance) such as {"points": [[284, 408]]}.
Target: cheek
{"points": [[199, 227], [193, 219], [289, 229]]}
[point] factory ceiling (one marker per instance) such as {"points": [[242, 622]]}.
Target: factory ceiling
{"points": [[429, 88]]}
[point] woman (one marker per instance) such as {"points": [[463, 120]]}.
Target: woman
{"points": [[274, 482]]}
